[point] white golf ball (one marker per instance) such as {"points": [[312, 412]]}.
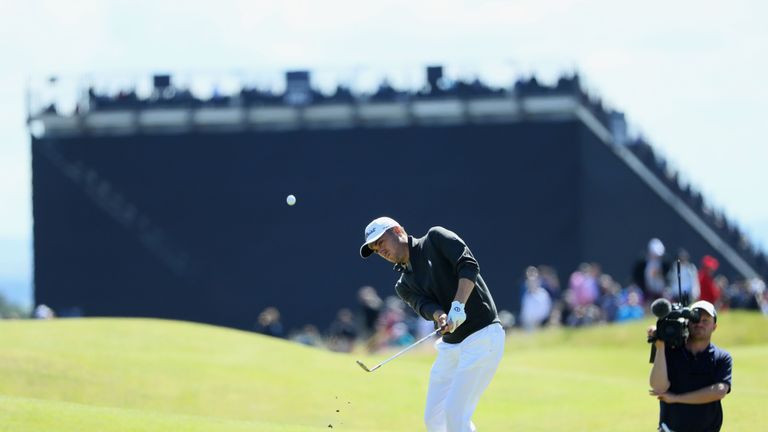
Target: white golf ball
{"points": [[291, 200]]}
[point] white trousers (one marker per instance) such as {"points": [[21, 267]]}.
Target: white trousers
{"points": [[459, 377]]}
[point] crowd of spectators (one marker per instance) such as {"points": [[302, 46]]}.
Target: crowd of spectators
{"points": [[378, 323], [165, 94], [588, 297], [592, 296], [250, 96]]}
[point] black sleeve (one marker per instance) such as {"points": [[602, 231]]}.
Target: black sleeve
{"points": [[453, 248], [420, 304], [724, 370]]}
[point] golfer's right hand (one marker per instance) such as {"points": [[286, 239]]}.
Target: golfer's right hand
{"points": [[442, 323]]}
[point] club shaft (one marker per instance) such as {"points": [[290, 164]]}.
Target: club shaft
{"points": [[406, 349]]}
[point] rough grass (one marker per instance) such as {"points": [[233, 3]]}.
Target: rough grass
{"points": [[152, 375]]}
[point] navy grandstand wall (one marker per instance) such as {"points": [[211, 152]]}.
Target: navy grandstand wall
{"points": [[194, 225]]}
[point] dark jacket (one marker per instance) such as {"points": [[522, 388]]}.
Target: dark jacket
{"points": [[430, 281]]}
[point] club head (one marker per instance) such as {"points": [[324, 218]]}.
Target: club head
{"points": [[365, 368]]}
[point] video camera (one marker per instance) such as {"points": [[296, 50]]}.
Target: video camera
{"points": [[672, 324], [673, 319]]}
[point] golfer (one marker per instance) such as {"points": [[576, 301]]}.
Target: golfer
{"points": [[440, 280]]}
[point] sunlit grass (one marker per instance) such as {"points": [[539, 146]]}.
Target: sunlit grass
{"points": [[152, 375]]}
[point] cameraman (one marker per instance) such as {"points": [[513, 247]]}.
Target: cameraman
{"points": [[690, 380]]}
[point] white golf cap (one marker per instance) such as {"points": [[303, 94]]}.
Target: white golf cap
{"points": [[373, 231], [705, 306]]}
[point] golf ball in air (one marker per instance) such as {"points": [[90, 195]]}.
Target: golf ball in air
{"points": [[291, 200]]}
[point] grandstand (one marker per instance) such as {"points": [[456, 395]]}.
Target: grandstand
{"points": [[168, 205]]}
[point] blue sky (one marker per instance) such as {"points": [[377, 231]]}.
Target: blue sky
{"points": [[688, 74]]}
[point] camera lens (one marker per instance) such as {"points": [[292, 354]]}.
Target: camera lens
{"points": [[695, 316]]}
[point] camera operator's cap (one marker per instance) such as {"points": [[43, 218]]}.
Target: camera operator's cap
{"points": [[706, 307], [373, 231]]}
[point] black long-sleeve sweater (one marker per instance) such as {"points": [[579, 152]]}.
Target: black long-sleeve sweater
{"points": [[429, 283]]}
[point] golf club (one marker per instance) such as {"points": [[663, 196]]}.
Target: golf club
{"points": [[398, 354]]}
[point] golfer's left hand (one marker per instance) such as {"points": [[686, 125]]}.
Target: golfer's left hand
{"points": [[456, 316], [667, 397]]}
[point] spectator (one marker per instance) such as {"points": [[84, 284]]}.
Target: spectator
{"points": [[400, 335], [689, 280], [370, 307], [269, 323], [741, 295], [43, 312], [391, 313], [709, 290], [550, 282], [342, 333], [650, 273], [309, 335], [722, 283], [610, 297], [422, 327], [632, 309], [583, 285], [536, 304], [507, 319], [628, 290], [584, 316], [762, 294], [757, 288]]}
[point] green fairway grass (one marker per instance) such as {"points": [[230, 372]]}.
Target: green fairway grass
{"points": [[152, 375]]}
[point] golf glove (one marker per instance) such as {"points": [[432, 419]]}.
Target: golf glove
{"points": [[456, 316]]}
